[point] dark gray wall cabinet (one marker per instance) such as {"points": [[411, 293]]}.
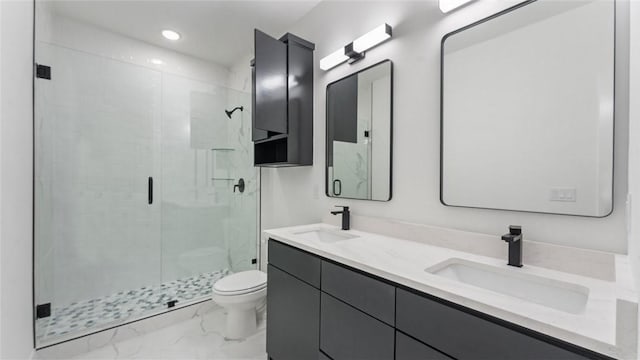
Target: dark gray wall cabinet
{"points": [[282, 75], [318, 309]]}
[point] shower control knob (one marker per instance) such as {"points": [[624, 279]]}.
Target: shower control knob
{"points": [[239, 186]]}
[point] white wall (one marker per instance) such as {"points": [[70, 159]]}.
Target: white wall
{"points": [[295, 196], [634, 141], [16, 327]]}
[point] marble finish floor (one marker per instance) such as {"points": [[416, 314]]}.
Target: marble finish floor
{"points": [[84, 316], [201, 337]]}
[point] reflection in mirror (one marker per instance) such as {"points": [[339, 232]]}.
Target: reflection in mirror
{"points": [[527, 110], [359, 109]]}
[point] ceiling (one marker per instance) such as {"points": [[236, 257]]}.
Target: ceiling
{"points": [[214, 30]]}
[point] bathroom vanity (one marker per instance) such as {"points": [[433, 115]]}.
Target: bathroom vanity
{"points": [[355, 295]]}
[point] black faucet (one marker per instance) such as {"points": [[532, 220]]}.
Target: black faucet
{"points": [[345, 216], [514, 238]]}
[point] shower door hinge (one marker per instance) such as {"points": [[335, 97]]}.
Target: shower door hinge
{"points": [[43, 72], [171, 303], [43, 310]]}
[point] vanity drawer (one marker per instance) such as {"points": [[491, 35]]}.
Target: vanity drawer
{"points": [[298, 263], [372, 296], [347, 333], [466, 336], [410, 349]]}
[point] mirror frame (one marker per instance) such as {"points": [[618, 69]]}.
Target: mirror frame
{"points": [[615, 103], [326, 151]]}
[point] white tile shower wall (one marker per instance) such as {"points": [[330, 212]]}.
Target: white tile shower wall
{"points": [[296, 195], [16, 24]]}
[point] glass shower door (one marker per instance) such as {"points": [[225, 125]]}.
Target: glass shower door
{"points": [[96, 235], [209, 227], [104, 253]]}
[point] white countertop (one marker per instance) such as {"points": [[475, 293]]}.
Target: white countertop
{"points": [[404, 262]]}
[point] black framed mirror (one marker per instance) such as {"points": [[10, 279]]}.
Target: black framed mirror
{"points": [[359, 134], [527, 115]]}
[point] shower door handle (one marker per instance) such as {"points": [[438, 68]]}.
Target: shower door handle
{"points": [[150, 190]]}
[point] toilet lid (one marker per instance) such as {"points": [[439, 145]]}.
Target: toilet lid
{"points": [[244, 280]]}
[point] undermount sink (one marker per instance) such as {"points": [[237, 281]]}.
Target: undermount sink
{"points": [[559, 295], [325, 235]]}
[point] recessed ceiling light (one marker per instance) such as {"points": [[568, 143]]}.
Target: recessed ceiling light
{"points": [[171, 35], [157, 61]]}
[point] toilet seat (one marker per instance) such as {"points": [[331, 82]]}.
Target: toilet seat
{"points": [[241, 283]]}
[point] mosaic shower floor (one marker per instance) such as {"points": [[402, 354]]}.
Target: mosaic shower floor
{"points": [[80, 317]]}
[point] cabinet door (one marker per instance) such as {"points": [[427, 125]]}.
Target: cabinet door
{"points": [[298, 263], [350, 334], [256, 134], [410, 349], [300, 102], [360, 291], [270, 84], [465, 336], [293, 307]]}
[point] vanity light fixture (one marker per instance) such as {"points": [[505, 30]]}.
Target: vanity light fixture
{"points": [[171, 35], [448, 5], [334, 59], [356, 50]]}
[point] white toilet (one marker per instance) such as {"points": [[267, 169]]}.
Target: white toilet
{"points": [[240, 294]]}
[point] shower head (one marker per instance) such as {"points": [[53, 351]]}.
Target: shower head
{"points": [[230, 112]]}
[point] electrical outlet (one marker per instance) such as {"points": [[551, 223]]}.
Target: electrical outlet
{"points": [[563, 194]]}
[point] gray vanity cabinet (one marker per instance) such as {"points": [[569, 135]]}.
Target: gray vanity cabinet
{"points": [[318, 309], [293, 304]]}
